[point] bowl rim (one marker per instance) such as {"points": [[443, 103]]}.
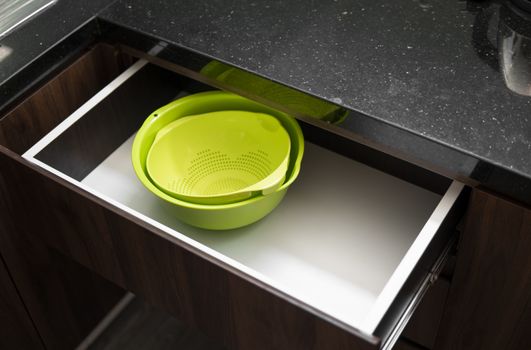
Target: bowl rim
{"points": [[146, 181]]}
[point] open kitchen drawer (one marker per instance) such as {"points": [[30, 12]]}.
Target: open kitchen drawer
{"points": [[342, 262]]}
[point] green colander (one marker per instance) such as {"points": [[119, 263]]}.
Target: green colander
{"points": [[221, 216], [220, 157]]}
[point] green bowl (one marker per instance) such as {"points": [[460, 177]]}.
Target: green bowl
{"points": [[223, 216], [220, 157]]}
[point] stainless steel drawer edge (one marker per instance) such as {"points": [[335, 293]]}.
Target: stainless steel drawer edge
{"points": [[428, 281], [414, 254], [81, 111]]}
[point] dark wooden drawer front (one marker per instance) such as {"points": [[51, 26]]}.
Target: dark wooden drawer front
{"points": [[489, 304], [63, 299], [240, 313], [16, 327], [61, 96]]}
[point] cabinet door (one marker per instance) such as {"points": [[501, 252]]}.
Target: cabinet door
{"points": [[65, 300], [16, 328], [489, 302]]}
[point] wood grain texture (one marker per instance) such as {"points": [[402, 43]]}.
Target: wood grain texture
{"points": [[44, 109], [59, 218], [64, 300], [141, 326], [112, 121], [224, 304], [489, 301], [16, 328], [227, 307]]}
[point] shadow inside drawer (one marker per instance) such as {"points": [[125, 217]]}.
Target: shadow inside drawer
{"points": [[109, 122]]}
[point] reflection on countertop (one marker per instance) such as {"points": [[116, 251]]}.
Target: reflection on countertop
{"points": [[502, 39], [15, 12]]}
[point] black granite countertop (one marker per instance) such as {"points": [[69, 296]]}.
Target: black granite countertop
{"points": [[421, 76], [29, 43], [35, 37]]}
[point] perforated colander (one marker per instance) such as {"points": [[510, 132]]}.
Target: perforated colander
{"points": [[220, 157]]}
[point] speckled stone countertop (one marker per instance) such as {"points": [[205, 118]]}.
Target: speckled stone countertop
{"points": [[33, 38], [415, 72], [419, 65], [30, 42]]}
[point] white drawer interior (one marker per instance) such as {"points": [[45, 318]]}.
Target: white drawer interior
{"points": [[342, 242]]}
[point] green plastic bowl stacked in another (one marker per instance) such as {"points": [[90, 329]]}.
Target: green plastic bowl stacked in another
{"points": [[216, 216], [220, 157]]}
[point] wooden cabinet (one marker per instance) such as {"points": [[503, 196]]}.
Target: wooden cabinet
{"points": [[16, 327], [489, 305], [63, 300], [423, 327]]}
